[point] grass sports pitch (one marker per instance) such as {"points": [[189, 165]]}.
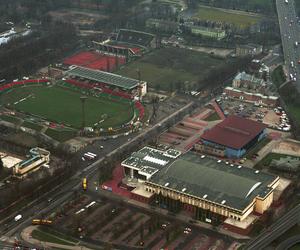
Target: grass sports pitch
{"points": [[62, 105]]}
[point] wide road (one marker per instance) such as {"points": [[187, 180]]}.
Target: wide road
{"points": [[283, 224], [290, 35]]}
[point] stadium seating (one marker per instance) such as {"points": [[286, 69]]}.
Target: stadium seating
{"points": [[99, 85], [135, 37], [30, 81], [141, 109]]}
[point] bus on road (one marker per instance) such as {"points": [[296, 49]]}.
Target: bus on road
{"points": [[84, 184]]}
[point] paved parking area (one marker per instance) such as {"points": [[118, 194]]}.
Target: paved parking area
{"points": [[106, 221], [233, 106]]}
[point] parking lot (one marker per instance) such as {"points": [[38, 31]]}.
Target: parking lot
{"points": [[129, 227], [274, 117]]}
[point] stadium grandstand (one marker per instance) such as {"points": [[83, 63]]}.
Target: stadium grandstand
{"points": [[135, 37], [211, 190], [117, 49], [8, 86], [129, 44], [108, 81]]}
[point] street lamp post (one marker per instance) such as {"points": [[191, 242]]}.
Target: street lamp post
{"points": [[83, 99]]}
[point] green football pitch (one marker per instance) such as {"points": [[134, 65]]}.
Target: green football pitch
{"points": [[61, 105]]}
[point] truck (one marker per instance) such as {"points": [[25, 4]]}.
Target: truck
{"points": [[286, 1]]}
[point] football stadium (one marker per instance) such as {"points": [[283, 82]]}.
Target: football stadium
{"points": [[60, 103]]}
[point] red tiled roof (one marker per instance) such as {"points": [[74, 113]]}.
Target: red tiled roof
{"points": [[234, 132]]}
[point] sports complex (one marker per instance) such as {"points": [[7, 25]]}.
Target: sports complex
{"points": [[88, 98], [58, 106]]}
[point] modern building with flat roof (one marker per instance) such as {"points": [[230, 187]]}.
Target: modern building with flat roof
{"points": [[38, 157], [212, 190], [143, 164], [234, 136], [215, 33]]}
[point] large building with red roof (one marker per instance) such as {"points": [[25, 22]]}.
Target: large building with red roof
{"points": [[234, 136]]}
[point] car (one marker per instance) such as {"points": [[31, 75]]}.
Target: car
{"points": [[164, 226], [18, 217]]}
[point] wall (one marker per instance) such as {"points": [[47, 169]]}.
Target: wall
{"points": [[261, 205]]}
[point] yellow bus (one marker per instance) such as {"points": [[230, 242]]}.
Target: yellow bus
{"points": [[84, 184], [41, 222]]}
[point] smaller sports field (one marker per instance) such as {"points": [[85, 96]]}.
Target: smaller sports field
{"points": [[63, 106], [240, 19], [95, 60]]}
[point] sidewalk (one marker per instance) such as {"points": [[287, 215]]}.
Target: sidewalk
{"points": [[26, 236]]}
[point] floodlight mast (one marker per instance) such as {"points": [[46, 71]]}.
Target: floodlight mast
{"points": [[83, 100]]}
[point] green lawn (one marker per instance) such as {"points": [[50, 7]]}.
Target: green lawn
{"points": [[9, 118], [278, 76], [47, 237], [168, 67], [213, 117], [294, 110], [267, 160], [32, 125], [63, 106], [239, 19], [61, 135], [51, 231]]}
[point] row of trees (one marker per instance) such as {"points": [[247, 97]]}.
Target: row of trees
{"points": [[266, 7]]}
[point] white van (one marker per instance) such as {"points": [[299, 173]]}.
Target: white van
{"points": [[18, 217]]}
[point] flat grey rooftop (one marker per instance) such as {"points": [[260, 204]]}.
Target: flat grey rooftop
{"points": [[103, 77], [150, 160], [207, 178]]}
